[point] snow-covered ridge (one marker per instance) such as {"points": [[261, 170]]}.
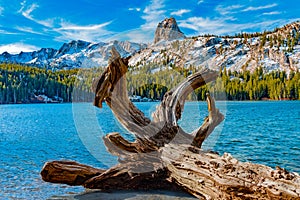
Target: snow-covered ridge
{"points": [[277, 50], [75, 54]]}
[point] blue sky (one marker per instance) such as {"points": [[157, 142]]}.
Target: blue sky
{"points": [[28, 25]]}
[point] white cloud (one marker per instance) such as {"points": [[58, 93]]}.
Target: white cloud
{"points": [[16, 48], [272, 13], [92, 33], [134, 9], [251, 8], [180, 12]]}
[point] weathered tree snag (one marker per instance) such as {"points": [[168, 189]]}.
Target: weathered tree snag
{"points": [[212, 176], [68, 172], [166, 157]]}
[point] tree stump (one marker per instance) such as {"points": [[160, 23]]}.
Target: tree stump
{"points": [[164, 156]]}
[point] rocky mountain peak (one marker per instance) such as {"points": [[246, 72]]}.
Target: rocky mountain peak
{"points": [[74, 46], [168, 30]]}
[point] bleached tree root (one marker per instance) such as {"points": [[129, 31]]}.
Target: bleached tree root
{"points": [[166, 157]]}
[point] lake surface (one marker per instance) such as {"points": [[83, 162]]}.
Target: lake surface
{"points": [[261, 132]]}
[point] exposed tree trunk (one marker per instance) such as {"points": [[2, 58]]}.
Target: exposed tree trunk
{"points": [[164, 156]]}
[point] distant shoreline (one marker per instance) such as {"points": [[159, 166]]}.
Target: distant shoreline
{"points": [[263, 100]]}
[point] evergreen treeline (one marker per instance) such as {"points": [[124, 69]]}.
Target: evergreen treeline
{"points": [[153, 81], [82, 91], [276, 85], [20, 84]]}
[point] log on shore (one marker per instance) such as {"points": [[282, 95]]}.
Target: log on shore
{"points": [[164, 156], [205, 175]]}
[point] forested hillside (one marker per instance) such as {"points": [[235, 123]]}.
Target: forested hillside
{"points": [[276, 85], [256, 86], [21, 84]]}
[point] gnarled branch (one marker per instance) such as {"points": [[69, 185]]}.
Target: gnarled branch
{"points": [[150, 135]]}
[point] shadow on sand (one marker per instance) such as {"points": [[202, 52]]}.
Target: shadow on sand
{"points": [[128, 195]]}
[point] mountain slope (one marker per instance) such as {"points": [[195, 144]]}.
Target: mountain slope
{"points": [[276, 50], [73, 55]]}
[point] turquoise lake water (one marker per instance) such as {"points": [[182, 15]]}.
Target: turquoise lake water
{"points": [[260, 132]]}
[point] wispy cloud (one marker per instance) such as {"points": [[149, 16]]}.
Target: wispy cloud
{"points": [[73, 27], [221, 26], [62, 30], [251, 8], [134, 9], [226, 10], [234, 9], [7, 32], [153, 14], [180, 12], [23, 5], [202, 25], [26, 11], [28, 30], [200, 2], [16, 48], [135, 35], [1, 10], [272, 13], [90, 33]]}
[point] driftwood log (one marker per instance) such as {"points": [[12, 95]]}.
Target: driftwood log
{"points": [[164, 156]]}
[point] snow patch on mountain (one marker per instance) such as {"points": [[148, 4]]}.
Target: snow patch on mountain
{"points": [[75, 54], [236, 54], [271, 51]]}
